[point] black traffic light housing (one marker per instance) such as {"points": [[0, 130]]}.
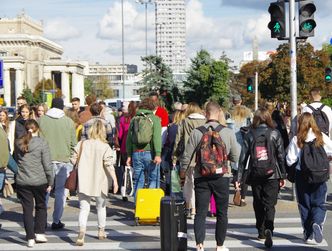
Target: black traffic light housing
{"points": [[277, 24], [250, 84], [306, 18], [328, 74]]}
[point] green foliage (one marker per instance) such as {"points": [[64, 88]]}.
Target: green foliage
{"points": [[156, 74], [28, 95], [207, 79], [88, 87], [274, 74]]}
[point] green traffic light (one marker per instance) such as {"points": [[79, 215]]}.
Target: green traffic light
{"points": [[307, 27], [328, 78], [277, 28], [250, 88]]}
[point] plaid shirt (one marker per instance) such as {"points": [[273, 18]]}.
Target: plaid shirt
{"points": [[109, 130]]}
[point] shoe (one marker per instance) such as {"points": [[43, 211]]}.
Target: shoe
{"points": [[317, 232], [243, 203], [222, 248], [41, 238], [200, 247], [80, 239], [56, 226], [101, 234], [310, 240], [31, 243], [261, 237], [268, 241]]}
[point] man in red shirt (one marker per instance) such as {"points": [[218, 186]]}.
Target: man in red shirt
{"points": [[162, 113]]}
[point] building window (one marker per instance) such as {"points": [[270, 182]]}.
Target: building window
{"points": [[135, 92], [116, 93]]}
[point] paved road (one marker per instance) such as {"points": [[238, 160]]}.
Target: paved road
{"points": [[123, 235]]}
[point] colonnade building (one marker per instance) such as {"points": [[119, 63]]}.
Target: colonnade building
{"points": [[28, 57]]}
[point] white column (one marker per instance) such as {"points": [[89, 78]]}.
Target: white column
{"points": [[47, 75], [6, 86], [78, 86], [65, 87], [18, 83]]}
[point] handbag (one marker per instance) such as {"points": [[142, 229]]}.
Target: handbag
{"points": [[237, 197], [175, 181], [72, 180]]}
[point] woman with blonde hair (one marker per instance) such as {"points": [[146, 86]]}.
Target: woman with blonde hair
{"points": [[95, 165], [41, 110], [193, 118], [310, 196], [4, 119]]}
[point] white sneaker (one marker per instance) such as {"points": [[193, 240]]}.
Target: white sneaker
{"points": [[310, 240], [31, 243], [199, 248], [222, 248], [41, 238], [318, 233]]}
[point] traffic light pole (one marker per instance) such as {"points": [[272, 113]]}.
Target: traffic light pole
{"points": [[292, 41], [256, 91]]}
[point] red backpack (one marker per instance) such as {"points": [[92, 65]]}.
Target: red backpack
{"points": [[211, 154]]}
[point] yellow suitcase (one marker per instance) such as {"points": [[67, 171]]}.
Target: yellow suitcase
{"points": [[148, 205]]}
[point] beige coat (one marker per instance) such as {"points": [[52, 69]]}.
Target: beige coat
{"points": [[94, 168]]}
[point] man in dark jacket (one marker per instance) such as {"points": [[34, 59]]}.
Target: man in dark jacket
{"points": [[265, 189]]}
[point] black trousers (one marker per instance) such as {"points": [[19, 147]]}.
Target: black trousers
{"points": [[265, 194], [204, 187], [30, 197]]}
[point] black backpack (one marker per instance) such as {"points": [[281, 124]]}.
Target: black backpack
{"points": [[314, 163], [321, 119], [263, 163]]}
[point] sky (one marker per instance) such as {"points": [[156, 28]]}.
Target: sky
{"points": [[91, 29]]}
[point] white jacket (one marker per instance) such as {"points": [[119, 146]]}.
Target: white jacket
{"points": [[294, 152]]}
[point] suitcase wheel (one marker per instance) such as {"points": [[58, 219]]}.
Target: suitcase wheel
{"points": [[136, 221]]}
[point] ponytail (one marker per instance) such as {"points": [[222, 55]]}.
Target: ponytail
{"points": [[31, 126]]}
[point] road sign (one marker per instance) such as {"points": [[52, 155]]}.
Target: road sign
{"points": [[1, 73]]}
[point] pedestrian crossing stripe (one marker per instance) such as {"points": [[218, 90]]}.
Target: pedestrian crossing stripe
{"points": [[241, 233], [118, 223], [154, 245]]}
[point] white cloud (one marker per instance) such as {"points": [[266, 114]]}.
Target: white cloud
{"points": [[110, 28], [61, 30]]}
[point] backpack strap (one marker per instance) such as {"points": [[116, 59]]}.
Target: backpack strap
{"points": [[311, 108], [321, 107]]}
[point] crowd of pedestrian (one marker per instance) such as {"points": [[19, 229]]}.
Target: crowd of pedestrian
{"points": [[261, 149]]}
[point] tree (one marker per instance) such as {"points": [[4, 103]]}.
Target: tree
{"points": [[88, 87], [46, 85], [157, 74], [102, 89], [207, 79]]}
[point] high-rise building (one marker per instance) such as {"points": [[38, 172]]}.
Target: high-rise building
{"points": [[171, 33]]}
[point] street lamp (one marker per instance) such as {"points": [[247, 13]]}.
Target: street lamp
{"points": [[146, 2], [123, 66]]}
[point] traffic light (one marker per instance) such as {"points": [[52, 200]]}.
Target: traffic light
{"points": [[250, 84], [306, 18], [278, 20], [328, 74]]}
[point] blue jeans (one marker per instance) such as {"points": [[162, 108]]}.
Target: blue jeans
{"points": [[61, 171], [143, 163], [311, 202]]}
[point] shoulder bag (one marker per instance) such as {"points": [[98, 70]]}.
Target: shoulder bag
{"points": [[72, 180]]}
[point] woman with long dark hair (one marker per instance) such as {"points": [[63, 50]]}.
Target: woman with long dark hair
{"points": [[264, 180], [34, 178], [311, 197]]}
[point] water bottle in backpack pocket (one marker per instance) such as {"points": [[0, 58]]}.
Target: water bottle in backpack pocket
{"points": [[263, 163]]}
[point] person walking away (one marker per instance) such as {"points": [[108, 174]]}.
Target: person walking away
{"points": [[34, 179], [322, 113], [193, 118], [144, 145], [310, 194], [264, 146], [73, 115], [59, 132], [86, 114], [124, 123], [95, 165], [240, 118], [218, 182]]}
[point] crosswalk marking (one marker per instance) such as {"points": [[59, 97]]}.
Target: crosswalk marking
{"points": [[241, 234]]}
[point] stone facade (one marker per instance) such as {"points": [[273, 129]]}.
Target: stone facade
{"points": [[29, 57]]}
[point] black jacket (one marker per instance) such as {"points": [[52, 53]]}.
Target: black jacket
{"points": [[278, 149]]}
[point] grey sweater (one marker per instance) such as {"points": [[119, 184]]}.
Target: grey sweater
{"points": [[226, 134], [35, 166]]}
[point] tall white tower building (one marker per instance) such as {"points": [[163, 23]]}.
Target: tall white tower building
{"points": [[171, 33]]}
